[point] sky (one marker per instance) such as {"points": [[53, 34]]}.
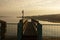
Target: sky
{"points": [[31, 7]]}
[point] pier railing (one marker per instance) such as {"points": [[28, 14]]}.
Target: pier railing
{"points": [[47, 29], [11, 25]]}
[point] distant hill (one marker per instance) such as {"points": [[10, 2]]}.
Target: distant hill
{"points": [[51, 18]]}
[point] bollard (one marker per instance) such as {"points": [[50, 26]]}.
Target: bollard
{"points": [[39, 29], [2, 29], [20, 30]]}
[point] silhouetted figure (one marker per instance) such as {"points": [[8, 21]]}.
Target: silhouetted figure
{"points": [[20, 30], [39, 29], [2, 29]]}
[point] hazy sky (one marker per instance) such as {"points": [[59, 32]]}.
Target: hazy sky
{"points": [[30, 6]]}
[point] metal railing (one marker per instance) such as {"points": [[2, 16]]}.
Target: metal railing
{"points": [[44, 26], [51, 30]]}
